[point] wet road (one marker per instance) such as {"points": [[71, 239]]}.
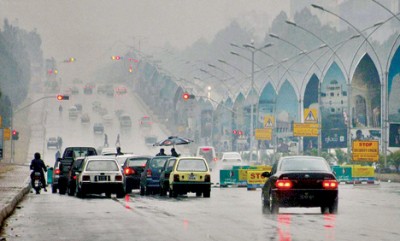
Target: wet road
{"points": [[366, 212]]}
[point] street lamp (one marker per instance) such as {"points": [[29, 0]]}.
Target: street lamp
{"points": [[383, 82], [252, 50]]}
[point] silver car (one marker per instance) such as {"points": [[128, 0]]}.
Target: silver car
{"points": [[100, 174]]}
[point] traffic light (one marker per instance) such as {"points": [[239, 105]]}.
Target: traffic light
{"points": [[15, 135], [234, 132], [187, 96], [62, 97], [115, 57], [237, 132]]}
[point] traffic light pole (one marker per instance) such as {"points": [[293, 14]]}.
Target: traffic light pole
{"points": [[15, 112]]}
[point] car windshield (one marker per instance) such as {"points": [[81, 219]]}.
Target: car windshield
{"points": [[301, 164], [192, 165], [134, 162], [157, 162], [102, 165]]}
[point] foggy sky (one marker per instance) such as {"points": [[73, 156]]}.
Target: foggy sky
{"points": [[92, 30]]}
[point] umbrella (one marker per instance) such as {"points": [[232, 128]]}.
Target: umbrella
{"points": [[172, 141]]}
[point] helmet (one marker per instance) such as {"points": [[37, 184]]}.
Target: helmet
{"points": [[37, 155]]}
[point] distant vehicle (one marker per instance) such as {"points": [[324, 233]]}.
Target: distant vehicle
{"points": [[88, 90], [101, 89], [108, 119], [52, 142], [230, 159], [73, 112], [190, 174], [120, 90], [125, 121], [164, 176], [110, 92], [85, 118], [133, 168], [300, 181], [79, 107], [145, 122], [74, 90], [96, 105], [150, 140], [103, 111], [208, 153], [100, 174], [150, 177], [98, 128]]}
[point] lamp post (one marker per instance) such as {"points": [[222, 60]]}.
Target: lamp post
{"points": [[383, 86], [253, 50]]}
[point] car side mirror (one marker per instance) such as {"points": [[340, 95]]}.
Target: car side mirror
{"points": [[59, 159]]}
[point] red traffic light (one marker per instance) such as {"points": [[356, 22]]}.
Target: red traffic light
{"points": [[62, 97], [14, 132], [234, 132], [187, 96], [240, 133]]}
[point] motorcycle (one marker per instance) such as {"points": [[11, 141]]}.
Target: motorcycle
{"points": [[37, 182]]}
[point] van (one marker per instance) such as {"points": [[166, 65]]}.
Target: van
{"points": [[208, 153], [73, 112], [125, 121]]}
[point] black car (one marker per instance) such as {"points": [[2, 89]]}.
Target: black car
{"points": [[164, 176], [73, 171], [133, 168], [60, 175], [300, 181], [79, 151], [150, 177]]}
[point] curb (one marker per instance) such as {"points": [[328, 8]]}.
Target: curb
{"points": [[10, 207]]}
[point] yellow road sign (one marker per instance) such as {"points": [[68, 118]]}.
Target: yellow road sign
{"points": [[365, 151], [269, 121], [305, 129], [264, 134], [7, 134], [310, 115]]}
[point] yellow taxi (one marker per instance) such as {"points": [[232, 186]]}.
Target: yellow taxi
{"points": [[190, 174]]}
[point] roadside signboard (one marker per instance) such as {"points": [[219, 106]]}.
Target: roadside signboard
{"points": [[269, 121], [264, 134], [310, 115], [254, 179], [7, 134], [343, 173], [305, 129], [365, 150]]}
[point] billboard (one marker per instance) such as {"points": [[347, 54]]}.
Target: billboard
{"points": [[394, 135], [393, 88], [334, 108]]}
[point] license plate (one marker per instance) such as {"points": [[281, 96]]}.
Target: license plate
{"points": [[192, 177], [306, 196], [102, 178]]}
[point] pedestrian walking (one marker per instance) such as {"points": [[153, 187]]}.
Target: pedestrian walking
{"points": [[117, 142], [105, 140]]}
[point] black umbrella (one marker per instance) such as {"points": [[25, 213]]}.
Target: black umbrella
{"points": [[172, 141]]}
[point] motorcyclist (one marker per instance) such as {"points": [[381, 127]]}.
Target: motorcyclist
{"points": [[37, 165], [161, 153]]}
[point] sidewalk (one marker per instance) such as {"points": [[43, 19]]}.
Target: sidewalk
{"points": [[14, 184]]}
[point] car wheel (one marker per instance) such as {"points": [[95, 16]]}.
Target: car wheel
{"points": [[80, 193], [141, 191], [198, 194], [71, 191], [53, 189], [207, 193], [120, 194], [273, 204], [147, 191], [333, 209], [128, 189], [163, 192], [108, 194], [62, 190]]}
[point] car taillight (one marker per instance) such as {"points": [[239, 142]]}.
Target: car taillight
{"points": [[330, 184], [74, 177], [207, 178], [284, 184], [215, 159], [57, 171], [129, 171], [148, 173], [118, 178], [85, 178], [176, 178]]}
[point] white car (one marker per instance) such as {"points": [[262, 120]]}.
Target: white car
{"points": [[100, 174], [230, 159]]}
